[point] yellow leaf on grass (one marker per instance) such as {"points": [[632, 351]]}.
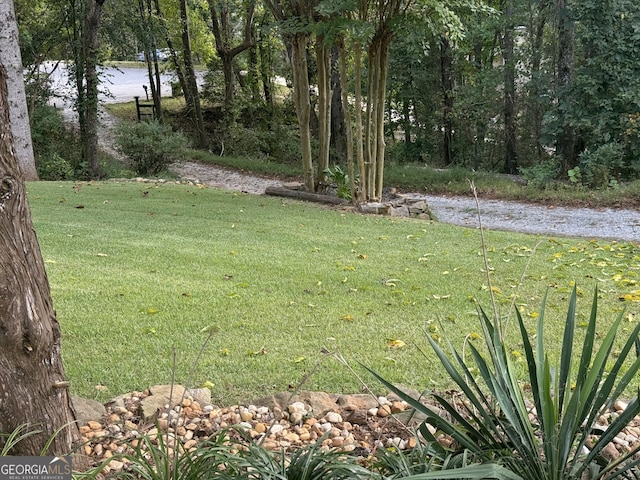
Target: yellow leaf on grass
{"points": [[348, 318], [391, 343], [299, 360]]}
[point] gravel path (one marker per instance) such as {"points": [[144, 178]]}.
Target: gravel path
{"points": [[606, 223]]}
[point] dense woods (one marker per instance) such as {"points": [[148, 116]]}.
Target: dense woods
{"points": [[547, 88]]}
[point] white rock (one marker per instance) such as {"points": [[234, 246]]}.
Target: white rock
{"points": [[333, 417]]}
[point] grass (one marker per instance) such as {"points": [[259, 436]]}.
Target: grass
{"points": [[141, 270]]}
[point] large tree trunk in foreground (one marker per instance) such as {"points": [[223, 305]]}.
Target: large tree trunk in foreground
{"points": [[33, 387]]}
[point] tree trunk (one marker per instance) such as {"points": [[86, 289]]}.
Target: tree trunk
{"points": [[265, 73], [565, 144], [338, 127], [190, 77], [446, 64], [11, 58], [33, 386], [303, 105], [359, 140], [378, 65], [510, 155], [346, 109], [538, 27], [91, 44], [323, 60]]}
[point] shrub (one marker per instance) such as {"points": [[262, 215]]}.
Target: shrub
{"points": [[562, 440], [602, 165], [542, 174], [341, 179], [56, 150], [150, 146], [54, 167]]}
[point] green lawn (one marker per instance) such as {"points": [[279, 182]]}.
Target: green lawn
{"points": [[139, 271]]}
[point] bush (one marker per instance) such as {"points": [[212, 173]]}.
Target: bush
{"points": [[562, 439], [602, 165], [56, 150], [542, 174], [54, 167], [150, 146]]}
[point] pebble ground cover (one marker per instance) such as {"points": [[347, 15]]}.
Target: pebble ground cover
{"points": [[141, 273]]}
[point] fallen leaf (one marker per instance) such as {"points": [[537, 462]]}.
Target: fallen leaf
{"points": [[391, 343]]}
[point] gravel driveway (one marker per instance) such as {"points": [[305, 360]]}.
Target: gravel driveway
{"points": [[612, 224]]}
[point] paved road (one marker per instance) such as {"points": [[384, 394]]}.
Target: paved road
{"points": [[118, 84]]}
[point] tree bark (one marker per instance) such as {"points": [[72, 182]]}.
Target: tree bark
{"points": [[91, 45], [303, 104], [510, 155], [323, 60], [33, 386], [190, 77], [565, 144], [346, 109], [359, 130], [11, 58], [446, 76]]}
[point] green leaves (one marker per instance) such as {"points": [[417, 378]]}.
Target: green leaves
{"points": [[559, 441]]}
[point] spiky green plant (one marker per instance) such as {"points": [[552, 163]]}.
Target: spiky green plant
{"points": [[560, 442], [309, 462], [425, 462], [155, 459]]}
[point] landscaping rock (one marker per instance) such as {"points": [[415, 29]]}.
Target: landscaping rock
{"points": [[356, 424], [159, 398], [87, 410]]}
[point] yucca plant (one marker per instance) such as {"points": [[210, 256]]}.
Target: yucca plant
{"points": [[424, 462], [309, 462], [561, 441], [156, 460]]}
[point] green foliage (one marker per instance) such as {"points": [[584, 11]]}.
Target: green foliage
{"points": [[232, 454], [341, 179], [56, 150], [494, 424], [575, 175], [54, 168], [542, 174], [602, 165], [11, 439], [150, 146], [281, 145]]}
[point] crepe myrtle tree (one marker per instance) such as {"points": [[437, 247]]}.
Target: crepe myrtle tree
{"points": [[33, 386]]}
